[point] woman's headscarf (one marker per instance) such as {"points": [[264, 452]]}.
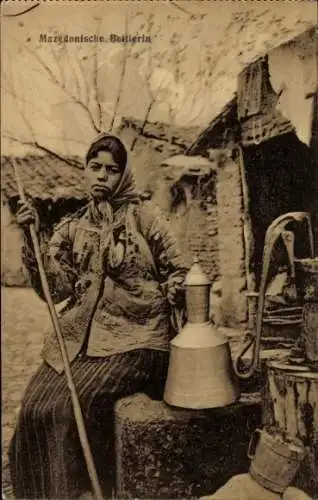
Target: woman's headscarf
{"points": [[126, 188], [124, 193]]}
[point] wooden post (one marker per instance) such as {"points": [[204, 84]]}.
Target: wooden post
{"points": [[290, 405], [247, 227]]}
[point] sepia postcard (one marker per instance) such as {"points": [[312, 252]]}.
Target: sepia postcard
{"points": [[159, 249]]}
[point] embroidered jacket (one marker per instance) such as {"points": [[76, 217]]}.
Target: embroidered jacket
{"points": [[115, 276]]}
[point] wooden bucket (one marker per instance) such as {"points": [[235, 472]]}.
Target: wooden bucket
{"points": [[274, 462], [290, 407], [307, 282]]}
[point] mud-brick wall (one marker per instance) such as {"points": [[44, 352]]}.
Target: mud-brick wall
{"points": [[147, 156], [196, 231], [231, 243], [13, 272], [204, 238], [196, 228]]}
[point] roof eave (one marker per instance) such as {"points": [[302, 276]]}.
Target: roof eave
{"points": [[222, 115]]}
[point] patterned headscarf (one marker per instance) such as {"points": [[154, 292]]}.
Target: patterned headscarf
{"points": [[114, 209], [126, 188]]}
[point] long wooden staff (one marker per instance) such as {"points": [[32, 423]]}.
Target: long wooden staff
{"points": [[75, 401]]}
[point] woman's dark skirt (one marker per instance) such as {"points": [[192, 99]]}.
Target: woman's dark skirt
{"points": [[46, 459]]}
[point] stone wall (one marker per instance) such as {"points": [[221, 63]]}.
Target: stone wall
{"points": [[231, 244], [168, 452]]}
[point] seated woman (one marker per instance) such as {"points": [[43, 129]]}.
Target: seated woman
{"points": [[122, 273]]}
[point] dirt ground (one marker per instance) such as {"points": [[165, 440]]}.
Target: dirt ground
{"points": [[24, 320]]}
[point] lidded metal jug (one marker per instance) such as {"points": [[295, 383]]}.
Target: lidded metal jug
{"points": [[200, 373]]}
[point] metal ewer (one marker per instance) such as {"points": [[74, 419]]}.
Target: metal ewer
{"points": [[200, 373]]}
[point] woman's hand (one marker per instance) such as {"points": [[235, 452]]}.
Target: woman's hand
{"points": [[175, 292], [27, 215]]}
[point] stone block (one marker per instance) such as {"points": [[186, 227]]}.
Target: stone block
{"points": [[165, 452]]}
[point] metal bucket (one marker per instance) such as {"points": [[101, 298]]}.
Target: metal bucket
{"points": [[274, 462]]}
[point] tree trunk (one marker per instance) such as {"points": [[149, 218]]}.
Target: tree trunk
{"points": [[290, 405]]}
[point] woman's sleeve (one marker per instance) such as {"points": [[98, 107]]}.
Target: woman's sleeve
{"points": [[166, 252], [57, 260]]}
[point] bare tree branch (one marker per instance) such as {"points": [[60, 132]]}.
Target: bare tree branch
{"points": [[84, 80], [63, 87], [60, 138], [72, 61], [40, 147], [68, 73], [96, 81], [121, 79], [59, 65], [21, 99], [20, 104], [21, 109], [195, 95], [173, 4], [148, 111], [153, 97]]}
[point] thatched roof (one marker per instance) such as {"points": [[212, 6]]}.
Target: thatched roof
{"points": [[42, 177]]}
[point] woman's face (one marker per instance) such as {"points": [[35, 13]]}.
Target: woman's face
{"points": [[102, 175]]}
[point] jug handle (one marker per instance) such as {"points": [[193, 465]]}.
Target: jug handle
{"points": [[253, 443]]}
